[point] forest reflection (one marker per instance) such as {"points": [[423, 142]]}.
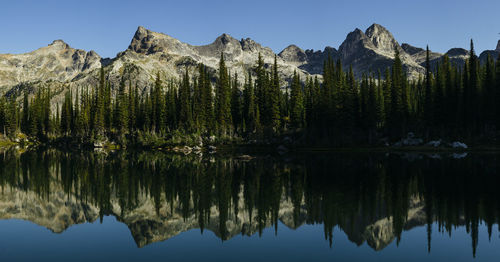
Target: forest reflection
{"points": [[372, 197]]}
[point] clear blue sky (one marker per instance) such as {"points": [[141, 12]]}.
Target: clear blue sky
{"points": [[108, 26]]}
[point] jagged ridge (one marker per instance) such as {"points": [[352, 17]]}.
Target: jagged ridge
{"points": [[150, 53]]}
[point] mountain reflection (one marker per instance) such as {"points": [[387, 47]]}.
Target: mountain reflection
{"points": [[373, 198]]}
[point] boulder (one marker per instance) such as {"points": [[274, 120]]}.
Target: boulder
{"points": [[458, 145], [245, 157], [186, 150], [434, 143], [212, 149], [196, 150], [411, 140]]}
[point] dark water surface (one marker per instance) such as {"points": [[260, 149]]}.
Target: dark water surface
{"points": [[59, 206]]}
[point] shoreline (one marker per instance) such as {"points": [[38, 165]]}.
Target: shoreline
{"points": [[250, 148]]}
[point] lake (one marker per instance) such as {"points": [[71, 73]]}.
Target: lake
{"points": [[146, 206]]}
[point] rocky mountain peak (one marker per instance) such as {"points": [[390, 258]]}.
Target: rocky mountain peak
{"points": [[142, 41], [457, 52], [498, 46], [382, 38], [225, 39], [141, 32], [249, 45], [148, 42], [60, 44], [368, 50], [356, 33], [355, 41], [226, 44], [293, 54], [353, 37]]}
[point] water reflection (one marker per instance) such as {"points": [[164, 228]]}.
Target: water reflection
{"points": [[373, 198]]}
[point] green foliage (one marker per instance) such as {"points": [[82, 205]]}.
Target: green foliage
{"points": [[447, 101], [223, 99], [297, 112]]}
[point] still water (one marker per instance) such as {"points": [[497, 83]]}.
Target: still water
{"points": [[60, 206]]}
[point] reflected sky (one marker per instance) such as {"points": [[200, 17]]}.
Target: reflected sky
{"points": [[148, 206], [111, 241]]}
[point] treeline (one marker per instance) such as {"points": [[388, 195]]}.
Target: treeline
{"points": [[449, 101]]}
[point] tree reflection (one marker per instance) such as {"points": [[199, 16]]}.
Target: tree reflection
{"points": [[373, 198]]}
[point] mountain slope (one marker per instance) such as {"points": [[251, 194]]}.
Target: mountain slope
{"points": [[149, 53], [492, 53], [374, 51], [55, 62]]}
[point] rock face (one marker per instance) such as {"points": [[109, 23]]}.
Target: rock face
{"points": [[374, 50], [382, 39], [309, 60], [419, 54], [293, 54], [150, 53], [411, 50], [55, 62]]}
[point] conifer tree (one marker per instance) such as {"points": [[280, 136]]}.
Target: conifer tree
{"points": [[2, 115], [387, 96], [198, 106], [351, 108], [471, 104], [26, 112], [67, 114], [249, 107], [223, 99], [99, 108], [275, 98], [12, 117], [371, 108], [159, 113], [497, 93], [438, 100], [261, 92], [185, 116], [77, 122], [172, 104], [488, 94], [133, 104], [396, 113], [120, 112], [208, 104], [236, 108], [297, 113]]}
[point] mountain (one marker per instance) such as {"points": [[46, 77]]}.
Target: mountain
{"points": [[309, 60], [373, 50], [419, 54], [458, 55], [57, 62], [492, 53], [61, 67]]}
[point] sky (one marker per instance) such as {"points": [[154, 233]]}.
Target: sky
{"points": [[108, 26]]}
